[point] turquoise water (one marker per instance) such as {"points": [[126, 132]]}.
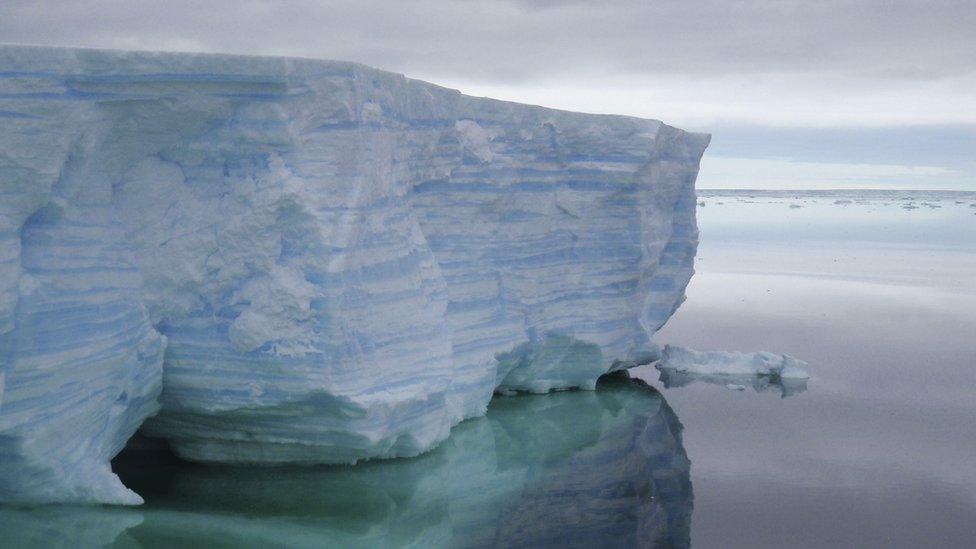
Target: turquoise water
{"points": [[572, 468], [876, 450]]}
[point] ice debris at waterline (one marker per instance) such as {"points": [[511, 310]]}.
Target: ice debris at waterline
{"points": [[759, 383], [680, 366], [568, 469], [732, 363], [301, 261]]}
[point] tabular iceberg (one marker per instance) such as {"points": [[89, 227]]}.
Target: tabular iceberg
{"points": [[301, 261]]}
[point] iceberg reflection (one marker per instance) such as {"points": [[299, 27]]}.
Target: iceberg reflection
{"points": [[577, 468]]}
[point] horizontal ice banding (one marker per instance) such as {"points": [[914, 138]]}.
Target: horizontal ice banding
{"points": [[339, 263]]}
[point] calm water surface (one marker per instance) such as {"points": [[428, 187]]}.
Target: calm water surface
{"points": [[880, 450], [877, 450]]}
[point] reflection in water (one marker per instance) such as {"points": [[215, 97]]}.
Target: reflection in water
{"points": [[787, 387], [578, 468], [64, 525]]}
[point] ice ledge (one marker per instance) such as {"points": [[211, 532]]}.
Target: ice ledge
{"points": [[680, 366], [732, 363]]}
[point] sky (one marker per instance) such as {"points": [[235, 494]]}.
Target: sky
{"points": [[796, 94]]}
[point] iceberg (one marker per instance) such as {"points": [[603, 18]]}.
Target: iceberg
{"points": [[297, 261]]}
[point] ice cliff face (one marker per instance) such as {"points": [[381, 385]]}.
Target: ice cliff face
{"points": [[307, 261]]}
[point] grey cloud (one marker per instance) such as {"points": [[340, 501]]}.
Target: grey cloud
{"points": [[513, 40]]}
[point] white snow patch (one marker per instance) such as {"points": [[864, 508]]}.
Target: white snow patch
{"points": [[278, 312], [475, 139]]}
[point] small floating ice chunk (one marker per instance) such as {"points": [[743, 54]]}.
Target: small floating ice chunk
{"points": [[785, 386], [732, 363], [735, 386]]}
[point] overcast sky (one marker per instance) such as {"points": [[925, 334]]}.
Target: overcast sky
{"points": [[855, 93]]}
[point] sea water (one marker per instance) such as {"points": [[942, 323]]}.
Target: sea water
{"points": [[879, 296]]}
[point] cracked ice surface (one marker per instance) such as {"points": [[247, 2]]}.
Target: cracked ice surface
{"points": [[307, 261]]}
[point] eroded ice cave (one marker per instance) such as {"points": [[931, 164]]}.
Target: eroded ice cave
{"points": [[283, 260]]}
